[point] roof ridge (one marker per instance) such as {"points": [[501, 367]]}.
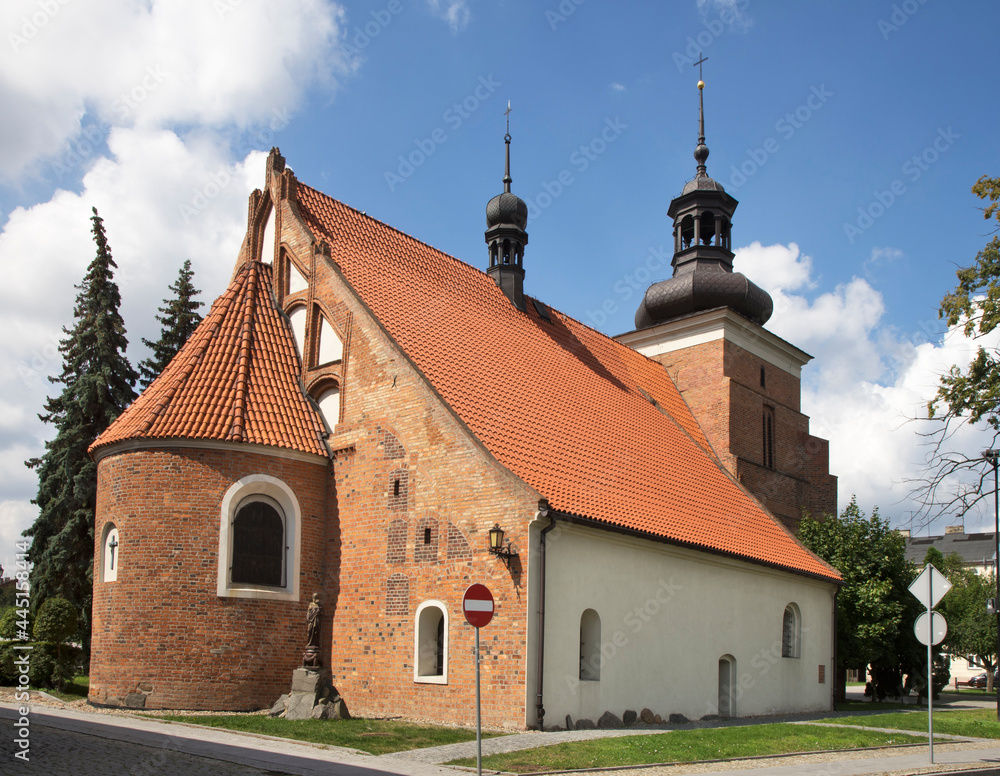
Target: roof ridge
{"points": [[237, 427], [408, 236]]}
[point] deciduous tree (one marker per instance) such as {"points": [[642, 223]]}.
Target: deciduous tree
{"points": [[875, 610]]}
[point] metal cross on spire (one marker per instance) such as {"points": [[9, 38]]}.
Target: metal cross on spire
{"points": [[701, 152], [506, 139], [703, 59]]}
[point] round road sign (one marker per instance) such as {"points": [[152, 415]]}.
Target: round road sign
{"points": [[477, 605], [935, 633]]}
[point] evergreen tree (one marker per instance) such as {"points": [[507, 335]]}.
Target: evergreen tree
{"points": [[179, 318], [96, 382]]}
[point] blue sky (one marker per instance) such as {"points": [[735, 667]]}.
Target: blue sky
{"points": [[850, 132]]}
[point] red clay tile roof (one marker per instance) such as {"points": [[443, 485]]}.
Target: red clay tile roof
{"points": [[235, 380], [557, 403]]}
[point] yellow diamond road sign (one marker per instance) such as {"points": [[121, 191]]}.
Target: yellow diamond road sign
{"points": [[930, 586]]}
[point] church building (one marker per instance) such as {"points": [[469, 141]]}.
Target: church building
{"points": [[366, 418]]}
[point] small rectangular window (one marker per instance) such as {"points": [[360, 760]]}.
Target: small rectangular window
{"points": [[427, 536], [763, 380], [395, 488]]}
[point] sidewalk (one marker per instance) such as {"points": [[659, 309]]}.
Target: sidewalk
{"points": [[306, 759]]}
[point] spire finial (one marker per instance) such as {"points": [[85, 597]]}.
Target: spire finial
{"points": [[506, 139], [701, 151]]}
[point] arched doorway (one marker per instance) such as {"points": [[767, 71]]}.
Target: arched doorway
{"points": [[727, 686]]}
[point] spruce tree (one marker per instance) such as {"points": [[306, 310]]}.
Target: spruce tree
{"points": [[96, 382], [179, 318]]}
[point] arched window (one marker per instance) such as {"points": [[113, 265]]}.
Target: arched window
{"points": [[430, 658], [330, 347], [267, 250], [707, 230], [687, 231], [791, 630], [590, 646], [259, 540], [258, 543], [329, 406], [110, 554], [297, 317]]}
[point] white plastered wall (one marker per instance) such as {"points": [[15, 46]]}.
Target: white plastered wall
{"points": [[668, 614]]}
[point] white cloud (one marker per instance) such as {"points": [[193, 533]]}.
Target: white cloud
{"points": [[15, 516], [158, 64], [617, 87], [732, 12], [162, 201], [868, 387], [455, 12], [881, 257]]}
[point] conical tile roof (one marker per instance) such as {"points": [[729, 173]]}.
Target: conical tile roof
{"points": [[235, 380]]}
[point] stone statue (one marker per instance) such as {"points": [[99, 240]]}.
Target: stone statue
{"points": [[313, 617]]}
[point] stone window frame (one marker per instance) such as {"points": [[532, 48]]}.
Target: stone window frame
{"points": [[237, 494], [791, 632], [590, 646], [103, 571], [425, 643]]}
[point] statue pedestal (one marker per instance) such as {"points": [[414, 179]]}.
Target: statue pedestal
{"points": [[313, 696]]}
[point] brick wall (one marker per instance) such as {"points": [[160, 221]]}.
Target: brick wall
{"points": [[721, 382], [394, 429], [161, 628]]}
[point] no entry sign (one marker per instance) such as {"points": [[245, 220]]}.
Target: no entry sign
{"points": [[477, 605]]}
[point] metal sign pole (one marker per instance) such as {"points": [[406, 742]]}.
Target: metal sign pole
{"points": [[930, 667], [479, 729]]}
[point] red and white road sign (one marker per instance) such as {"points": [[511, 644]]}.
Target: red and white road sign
{"points": [[477, 605]]}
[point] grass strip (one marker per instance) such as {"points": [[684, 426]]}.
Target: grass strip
{"points": [[72, 691], [687, 746], [976, 723], [376, 736]]}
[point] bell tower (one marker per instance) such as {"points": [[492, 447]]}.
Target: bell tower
{"points": [[506, 218], [705, 324]]}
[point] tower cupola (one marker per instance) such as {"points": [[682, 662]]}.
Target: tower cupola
{"points": [[506, 219], [703, 277]]}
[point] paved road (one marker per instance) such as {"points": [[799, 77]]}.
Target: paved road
{"points": [[67, 743]]}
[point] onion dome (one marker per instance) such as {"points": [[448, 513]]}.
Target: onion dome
{"points": [[703, 277]]}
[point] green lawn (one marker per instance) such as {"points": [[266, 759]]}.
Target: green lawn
{"points": [[73, 692], [874, 706], [978, 723], [376, 736], [687, 746]]}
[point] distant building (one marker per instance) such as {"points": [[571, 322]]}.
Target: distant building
{"points": [[977, 550]]}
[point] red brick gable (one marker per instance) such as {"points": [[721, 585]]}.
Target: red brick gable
{"points": [[235, 380], [601, 431]]}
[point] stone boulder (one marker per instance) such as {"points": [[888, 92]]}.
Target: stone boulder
{"points": [[629, 718], [646, 716], [678, 719], [585, 724], [609, 721]]}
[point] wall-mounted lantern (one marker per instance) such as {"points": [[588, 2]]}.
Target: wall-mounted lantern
{"points": [[497, 547]]}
